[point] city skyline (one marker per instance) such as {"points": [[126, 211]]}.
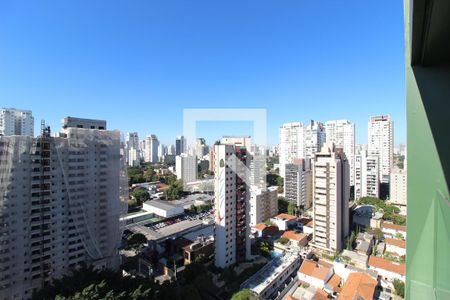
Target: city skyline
{"points": [[167, 60]]}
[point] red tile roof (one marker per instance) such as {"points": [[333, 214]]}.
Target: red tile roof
{"points": [[291, 235], [382, 263], [358, 286], [334, 282], [313, 269], [260, 226], [286, 217], [394, 226], [310, 223], [304, 221], [395, 242], [320, 295]]}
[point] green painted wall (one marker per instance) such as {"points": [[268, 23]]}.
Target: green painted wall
{"points": [[428, 224]]}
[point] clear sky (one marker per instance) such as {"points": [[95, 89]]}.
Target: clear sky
{"points": [[138, 64]]}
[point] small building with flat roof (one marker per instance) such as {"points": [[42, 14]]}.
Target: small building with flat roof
{"points": [[273, 277], [162, 208]]}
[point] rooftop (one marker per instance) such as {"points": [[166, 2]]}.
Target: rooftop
{"points": [[305, 221], [269, 273], [394, 226], [334, 282], [381, 263], [161, 204], [286, 217], [292, 235], [395, 242], [362, 246], [260, 226], [177, 229], [320, 295], [355, 256], [358, 286], [314, 269]]}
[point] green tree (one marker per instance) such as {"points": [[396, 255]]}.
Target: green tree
{"points": [[149, 173], [192, 271], [245, 294], [201, 258], [390, 212], [132, 203], [264, 248], [351, 240], [283, 240], [399, 288], [136, 240], [140, 195], [280, 181], [135, 175], [291, 208], [282, 205], [273, 179], [170, 179], [85, 282], [399, 236], [175, 191], [192, 209], [191, 292]]}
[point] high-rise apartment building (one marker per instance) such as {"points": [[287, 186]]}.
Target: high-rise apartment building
{"points": [[298, 183], [171, 150], [291, 144], [331, 192], [367, 180], [132, 140], [381, 143], [162, 151], [72, 122], [398, 188], [239, 141], [212, 159], [314, 138], [151, 149], [342, 134], [263, 204], [232, 209], [16, 122], [186, 167], [60, 205], [180, 145], [201, 149], [132, 149]]}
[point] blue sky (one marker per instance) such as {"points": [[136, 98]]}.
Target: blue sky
{"points": [[138, 64]]}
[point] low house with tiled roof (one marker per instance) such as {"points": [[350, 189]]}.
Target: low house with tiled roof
{"points": [[359, 286], [299, 239], [284, 221], [314, 273], [387, 269], [261, 229], [392, 230], [395, 246], [320, 295], [334, 284]]}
